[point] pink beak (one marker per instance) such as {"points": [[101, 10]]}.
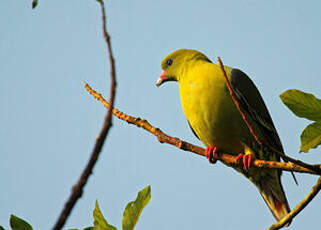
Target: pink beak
{"points": [[161, 78]]}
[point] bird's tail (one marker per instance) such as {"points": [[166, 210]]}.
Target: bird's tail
{"points": [[273, 194]]}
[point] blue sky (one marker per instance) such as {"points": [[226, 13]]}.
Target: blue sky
{"points": [[49, 122]]}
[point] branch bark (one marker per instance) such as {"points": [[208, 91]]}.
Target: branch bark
{"points": [[77, 189], [164, 138]]}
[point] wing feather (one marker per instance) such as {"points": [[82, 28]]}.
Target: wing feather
{"points": [[252, 103]]}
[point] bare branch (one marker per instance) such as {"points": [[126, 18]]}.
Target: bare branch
{"points": [[164, 138], [77, 189], [314, 191]]}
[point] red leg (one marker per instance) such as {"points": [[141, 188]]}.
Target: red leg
{"points": [[210, 153], [247, 160]]}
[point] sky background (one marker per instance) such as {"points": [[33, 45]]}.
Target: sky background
{"points": [[49, 122]]}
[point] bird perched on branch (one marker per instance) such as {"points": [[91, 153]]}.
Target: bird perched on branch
{"points": [[216, 121]]}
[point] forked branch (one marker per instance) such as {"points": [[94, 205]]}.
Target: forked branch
{"points": [[293, 165]]}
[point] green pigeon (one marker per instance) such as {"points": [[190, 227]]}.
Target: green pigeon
{"points": [[215, 120]]}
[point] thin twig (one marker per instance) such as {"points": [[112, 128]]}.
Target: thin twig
{"points": [[77, 189], [314, 168], [314, 191], [164, 138]]}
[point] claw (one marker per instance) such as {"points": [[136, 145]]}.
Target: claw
{"points": [[247, 160], [239, 157], [210, 152]]}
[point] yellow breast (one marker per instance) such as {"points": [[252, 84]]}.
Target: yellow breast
{"points": [[210, 109]]}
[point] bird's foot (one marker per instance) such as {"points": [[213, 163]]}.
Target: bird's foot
{"points": [[247, 160], [210, 153]]}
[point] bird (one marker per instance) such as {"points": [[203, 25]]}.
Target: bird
{"points": [[215, 120]]}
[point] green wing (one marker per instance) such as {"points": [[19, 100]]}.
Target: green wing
{"points": [[252, 103]]}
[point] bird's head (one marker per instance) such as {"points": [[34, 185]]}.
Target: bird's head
{"points": [[175, 64]]}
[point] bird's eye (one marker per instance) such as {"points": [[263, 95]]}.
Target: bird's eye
{"points": [[169, 62]]}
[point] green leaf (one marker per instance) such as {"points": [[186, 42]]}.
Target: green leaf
{"points": [[134, 208], [311, 137], [302, 104], [100, 222], [34, 3], [1, 228], [19, 224]]}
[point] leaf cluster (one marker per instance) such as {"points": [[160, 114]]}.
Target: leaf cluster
{"points": [[130, 217], [307, 106]]}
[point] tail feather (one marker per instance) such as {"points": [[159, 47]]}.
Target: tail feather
{"points": [[274, 196], [280, 208]]}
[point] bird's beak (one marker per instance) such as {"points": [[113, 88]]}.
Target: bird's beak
{"points": [[161, 79]]}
